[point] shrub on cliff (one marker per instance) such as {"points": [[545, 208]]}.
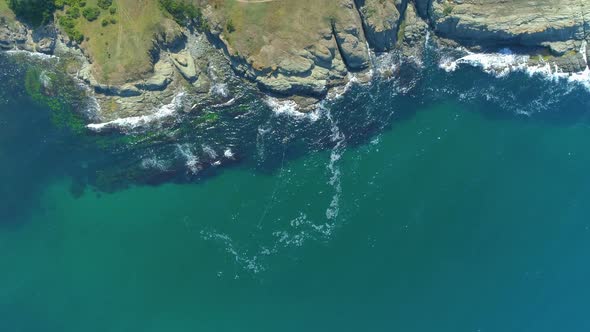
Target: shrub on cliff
{"points": [[91, 13], [104, 4], [182, 11], [69, 26], [73, 12], [35, 12]]}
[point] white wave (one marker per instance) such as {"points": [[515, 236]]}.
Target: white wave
{"points": [[133, 122], [192, 160], [335, 178], [497, 64], [302, 229], [228, 154], [505, 62], [242, 258], [386, 64], [37, 55], [219, 89], [370, 54], [283, 106], [226, 104], [339, 91], [209, 151], [290, 108], [427, 39], [154, 163]]}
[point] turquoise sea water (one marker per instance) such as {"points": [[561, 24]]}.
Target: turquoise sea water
{"points": [[437, 208]]}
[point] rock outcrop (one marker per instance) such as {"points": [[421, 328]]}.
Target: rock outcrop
{"points": [[381, 21], [185, 64], [16, 36], [317, 50], [557, 25]]}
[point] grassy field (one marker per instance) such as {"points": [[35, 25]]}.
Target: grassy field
{"points": [[120, 51], [6, 15], [293, 23]]}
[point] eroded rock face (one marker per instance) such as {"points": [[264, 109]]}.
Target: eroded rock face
{"points": [[309, 71], [542, 23], [12, 37], [339, 40], [163, 74], [185, 64], [350, 37], [381, 20]]}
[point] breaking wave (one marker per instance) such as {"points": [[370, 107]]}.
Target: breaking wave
{"points": [[130, 123], [505, 62]]}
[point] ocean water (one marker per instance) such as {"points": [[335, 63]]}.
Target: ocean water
{"points": [[436, 201]]}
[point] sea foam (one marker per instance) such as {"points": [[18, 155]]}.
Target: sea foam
{"points": [[505, 62], [133, 122]]}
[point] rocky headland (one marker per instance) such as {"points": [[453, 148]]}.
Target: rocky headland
{"points": [[293, 49]]}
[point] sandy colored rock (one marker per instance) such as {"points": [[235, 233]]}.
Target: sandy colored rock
{"points": [[185, 64], [518, 22], [381, 20]]}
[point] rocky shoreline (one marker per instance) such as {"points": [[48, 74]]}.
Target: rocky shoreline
{"points": [[205, 64]]}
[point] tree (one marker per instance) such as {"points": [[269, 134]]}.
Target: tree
{"points": [[91, 13], [35, 12], [104, 4]]}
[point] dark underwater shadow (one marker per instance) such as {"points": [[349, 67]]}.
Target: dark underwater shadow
{"points": [[357, 117]]}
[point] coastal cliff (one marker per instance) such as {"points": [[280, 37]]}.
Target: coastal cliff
{"points": [[138, 53]]}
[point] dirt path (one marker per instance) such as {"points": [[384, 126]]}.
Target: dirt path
{"points": [[120, 34]]}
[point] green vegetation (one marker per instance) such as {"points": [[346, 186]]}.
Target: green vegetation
{"points": [[6, 14], [73, 12], [68, 24], [182, 11], [60, 4], [120, 39], [401, 30], [49, 88], [91, 13], [230, 26], [35, 12], [104, 4], [447, 9], [108, 20], [282, 25]]}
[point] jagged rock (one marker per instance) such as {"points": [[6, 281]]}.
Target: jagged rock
{"points": [[519, 23], [296, 65], [171, 37], [163, 71], [573, 62], [350, 37], [155, 83], [380, 20], [414, 28], [45, 45], [5, 41], [185, 64], [423, 7], [126, 90], [12, 37], [561, 47]]}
